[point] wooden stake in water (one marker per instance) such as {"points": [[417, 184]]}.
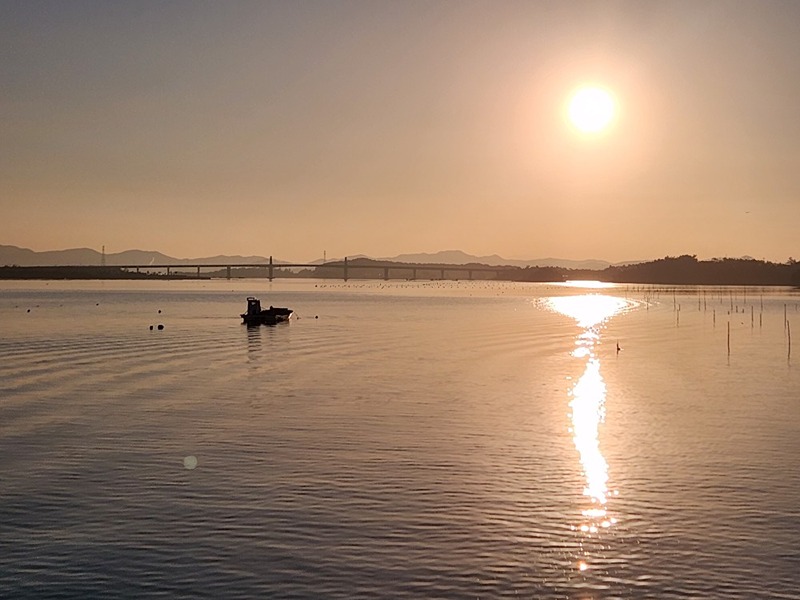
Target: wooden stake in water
{"points": [[789, 333], [752, 317], [729, 338]]}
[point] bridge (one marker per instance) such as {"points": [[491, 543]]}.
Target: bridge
{"points": [[346, 267]]}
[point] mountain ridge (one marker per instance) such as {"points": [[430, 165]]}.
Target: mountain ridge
{"points": [[25, 257]]}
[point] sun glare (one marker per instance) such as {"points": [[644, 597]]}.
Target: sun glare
{"points": [[591, 109]]}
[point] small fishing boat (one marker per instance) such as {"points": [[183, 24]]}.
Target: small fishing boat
{"points": [[268, 316]]}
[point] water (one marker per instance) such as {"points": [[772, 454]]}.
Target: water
{"points": [[398, 440]]}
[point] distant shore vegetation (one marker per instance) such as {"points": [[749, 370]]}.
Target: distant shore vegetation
{"points": [[670, 270], [84, 272]]}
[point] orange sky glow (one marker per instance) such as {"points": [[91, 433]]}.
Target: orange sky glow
{"points": [[380, 128]]}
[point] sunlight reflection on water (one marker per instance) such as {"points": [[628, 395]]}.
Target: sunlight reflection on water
{"points": [[590, 311], [418, 439]]}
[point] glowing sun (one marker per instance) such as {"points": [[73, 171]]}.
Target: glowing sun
{"points": [[591, 109]]}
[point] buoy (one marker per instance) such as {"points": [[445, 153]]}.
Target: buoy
{"points": [[151, 328], [160, 327]]}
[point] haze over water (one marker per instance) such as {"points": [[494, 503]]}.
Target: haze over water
{"points": [[630, 130], [415, 439]]}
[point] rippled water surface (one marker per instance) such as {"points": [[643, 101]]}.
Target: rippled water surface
{"points": [[398, 440]]}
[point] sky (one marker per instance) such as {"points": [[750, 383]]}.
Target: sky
{"points": [[298, 129]]}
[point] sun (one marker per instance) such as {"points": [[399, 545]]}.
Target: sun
{"points": [[591, 109]]}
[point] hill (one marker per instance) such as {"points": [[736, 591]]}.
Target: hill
{"points": [[24, 257], [457, 257]]}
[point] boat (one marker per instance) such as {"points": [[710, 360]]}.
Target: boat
{"points": [[273, 315]]}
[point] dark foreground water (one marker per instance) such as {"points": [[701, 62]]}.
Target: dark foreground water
{"points": [[403, 440]]}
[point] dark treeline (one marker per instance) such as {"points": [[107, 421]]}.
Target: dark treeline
{"points": [[680, 270], [90, 272], [671, 270], [674, 270], [688, 270]]}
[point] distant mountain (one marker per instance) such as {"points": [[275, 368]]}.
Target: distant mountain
{"points": [[24, 257], [447, 257], [136, 257], [564, 263], [457, 257], [144, 257], [222, 259]]}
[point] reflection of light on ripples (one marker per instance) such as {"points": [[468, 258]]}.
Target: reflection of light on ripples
{"points": [[582, 283], [589, 310], [588, 412], [588, 403]]}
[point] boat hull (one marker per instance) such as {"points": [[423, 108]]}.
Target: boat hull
{"points": [[268, 317]]}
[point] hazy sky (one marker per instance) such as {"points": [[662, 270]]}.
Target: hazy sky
{"points": [[384, 127]]}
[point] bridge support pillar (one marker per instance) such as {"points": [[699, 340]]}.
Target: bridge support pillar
{"points": [[386, 273], [345, 268], [198, 272], [228, 272], [270, 268], [167, 271]]}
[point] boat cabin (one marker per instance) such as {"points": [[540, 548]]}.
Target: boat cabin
{"points": [[253, 306]]}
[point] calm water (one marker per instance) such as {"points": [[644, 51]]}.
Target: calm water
{"points": [[398, 440]]}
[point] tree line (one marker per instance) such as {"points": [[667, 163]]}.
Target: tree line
{"points": [[682, 270]]}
